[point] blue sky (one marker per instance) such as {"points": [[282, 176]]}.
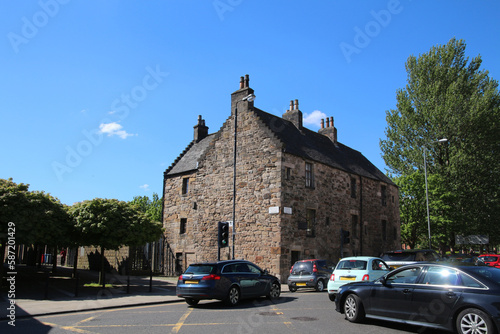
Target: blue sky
{"points": [[100, 97]]}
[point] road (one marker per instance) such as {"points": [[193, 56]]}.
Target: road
{"points": [[299, 312]]}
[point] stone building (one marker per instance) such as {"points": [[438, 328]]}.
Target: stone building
{"points": [[295, 190]]}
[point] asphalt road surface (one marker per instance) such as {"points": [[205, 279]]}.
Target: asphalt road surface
{"points": [[299, 312]]}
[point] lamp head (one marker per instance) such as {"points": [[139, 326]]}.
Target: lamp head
{"points": [[248, 98]]}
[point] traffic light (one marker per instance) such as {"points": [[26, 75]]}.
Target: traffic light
{"points": [[223, 234], [345, 237]]}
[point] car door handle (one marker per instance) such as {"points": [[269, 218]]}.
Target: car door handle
{"points": [[451, 294], [406, 291]]}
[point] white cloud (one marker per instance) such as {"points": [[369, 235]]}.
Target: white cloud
{"points": [[314, 118], [114, 129], [144, 187]]}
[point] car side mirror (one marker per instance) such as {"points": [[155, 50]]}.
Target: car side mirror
{"points": [[383, 281], [266, 272]]}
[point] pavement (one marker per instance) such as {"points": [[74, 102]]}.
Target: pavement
{"points": [[36, 291]]}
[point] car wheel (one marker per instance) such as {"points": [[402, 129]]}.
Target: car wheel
{"points": [[472, 320], [331, 296], [192, 301], [292, 289], [233, 297], [320, 286], [275, 291], [353, 308]]}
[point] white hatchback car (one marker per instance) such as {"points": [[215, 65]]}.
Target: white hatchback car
{"points": [[355, 269]]}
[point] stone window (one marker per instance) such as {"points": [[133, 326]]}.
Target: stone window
{"points": [[354, 226], [288, 173], [182, 229], [383, 195], [185, 185], [311, 222], [353, 187], [309, 175], [384, 230]]}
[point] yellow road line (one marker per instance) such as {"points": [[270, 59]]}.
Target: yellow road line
{"points": [[179, 324]]}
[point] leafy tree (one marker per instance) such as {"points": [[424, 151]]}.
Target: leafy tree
{"points": [[412, 209], [448, 96], [110, 224], [152, 208], [39, 218]]}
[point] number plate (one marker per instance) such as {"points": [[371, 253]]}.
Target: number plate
{"points": [[191, 282], [301, 284], [347, 278]]}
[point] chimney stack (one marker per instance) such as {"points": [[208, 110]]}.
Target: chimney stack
{"points": [[241, 93], [330, 131], [200, 130], [294, 115]]}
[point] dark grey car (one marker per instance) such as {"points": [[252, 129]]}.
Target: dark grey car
{"points": [[311, 273], [228, 281]]}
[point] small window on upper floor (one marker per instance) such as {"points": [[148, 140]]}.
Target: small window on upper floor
{"points": [[185, 185], [288, 173], [383, 195], [182, 228], [353, 187], [309, 175]]}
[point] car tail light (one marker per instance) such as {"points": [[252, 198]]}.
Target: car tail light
{"points": [[211, 277], [366, 278], [291, 269], [315, 269], [332, 277], [180, 278]]}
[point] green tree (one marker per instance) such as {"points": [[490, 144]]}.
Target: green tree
{"points": [[38, 217], [448, 96], [110, 224], [412, 209], [151, 207]]}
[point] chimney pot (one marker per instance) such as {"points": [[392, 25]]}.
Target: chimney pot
{"points": [[296, 104], [322, 123], [241, 82], [331, 121], [247, 80], [327, 122]]}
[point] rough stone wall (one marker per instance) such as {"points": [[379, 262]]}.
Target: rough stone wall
{"points": [[261, 237], [210, 196], [89, 258], [334, 207]]}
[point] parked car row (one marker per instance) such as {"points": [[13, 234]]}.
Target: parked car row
{"points": [[463, 296]]}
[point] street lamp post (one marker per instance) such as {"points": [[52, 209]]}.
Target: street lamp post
{"points": [[427, 190], [248, 98]]}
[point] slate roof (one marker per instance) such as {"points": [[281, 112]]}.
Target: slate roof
{"points": [[188, 160], [303, 143]]}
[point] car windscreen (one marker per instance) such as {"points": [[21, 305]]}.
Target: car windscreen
{"points": [[489, 258], [488, 272], [399, 256], [352, 265], [201, 269], [302, 268]]}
